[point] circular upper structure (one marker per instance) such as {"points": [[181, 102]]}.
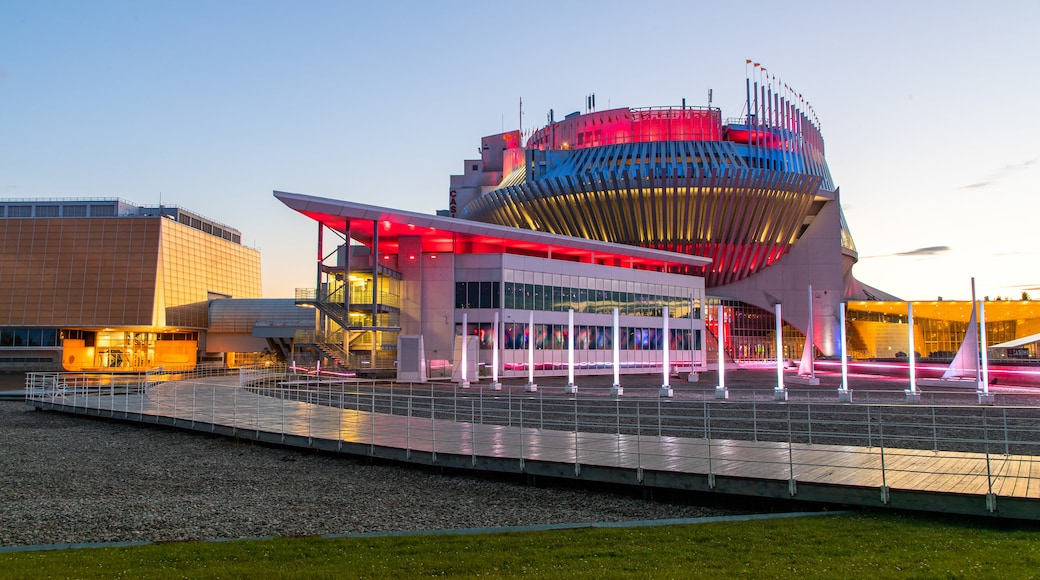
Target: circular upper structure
{"points": [[676, 178]]}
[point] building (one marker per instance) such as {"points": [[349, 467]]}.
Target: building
{"points": [[399, 290], [754, 194], [103, 284]]}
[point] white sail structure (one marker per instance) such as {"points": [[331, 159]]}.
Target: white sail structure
{"points": [[965, 364], [807, 367]]}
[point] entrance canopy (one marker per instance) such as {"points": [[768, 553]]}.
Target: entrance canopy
{"points": [[439, 234]]}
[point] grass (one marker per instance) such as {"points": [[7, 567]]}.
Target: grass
{"points": [[845, 546]]}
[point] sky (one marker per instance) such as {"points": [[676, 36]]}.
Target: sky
{"points": [[927, 108]]}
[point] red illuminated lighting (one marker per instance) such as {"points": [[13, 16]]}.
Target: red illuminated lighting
{"points": [[433, 256], [411, 256]]}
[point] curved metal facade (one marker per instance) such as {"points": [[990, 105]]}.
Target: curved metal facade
{"points": [[697, 197]]}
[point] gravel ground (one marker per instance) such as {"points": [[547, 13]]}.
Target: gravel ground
{"points": [[68, 479]]}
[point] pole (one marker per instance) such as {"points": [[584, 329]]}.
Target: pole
{"points": [[464, 383], [616, 388], [722, 353], [779, 348], [844, 396], [530, 387], [984, 396], [910, 345], [666, 389], [692, 377], [811, 339], [570, 388], [495, 385], [780, 391]]}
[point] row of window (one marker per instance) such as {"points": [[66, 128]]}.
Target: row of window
{"points": [[555, 336], [29, 337], [53, 211], [520, 296], [54, 336]]}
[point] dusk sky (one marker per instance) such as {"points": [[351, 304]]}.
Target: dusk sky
{"points": [[928, 109]]}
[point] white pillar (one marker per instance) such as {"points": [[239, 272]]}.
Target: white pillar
{"points": [[495, 385], [721, 387], [530, 387], [693, 376], [616, 388], [984, 395], [844, 396], [780, 390], [666, 389], [464, 383], [811, 338], [570, 389], [912, 394], [910, 346], [779, 347]]}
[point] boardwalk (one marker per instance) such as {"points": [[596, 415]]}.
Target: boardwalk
{"points": [[418, 431]]}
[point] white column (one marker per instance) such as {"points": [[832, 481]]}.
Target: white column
{"points": [[464, 383], [779, 347], [693, 376], [530, 387], [912, 395], [721, 388], [495, 385], [811, 338], [910, 346], [570, 389], [666, 389], [780, 390], [984, 395], [844, 396], [616, 388]]}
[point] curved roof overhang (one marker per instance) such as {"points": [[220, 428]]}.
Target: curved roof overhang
{"points": [[451, 235]]}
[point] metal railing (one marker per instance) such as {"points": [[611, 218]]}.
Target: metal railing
{"points": [[992, 450]]}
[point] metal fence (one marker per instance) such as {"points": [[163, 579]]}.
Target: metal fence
{"points": [[966, 449]]}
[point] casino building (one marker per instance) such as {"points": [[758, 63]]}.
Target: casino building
{"points": [[753, 194], [401, 293]]}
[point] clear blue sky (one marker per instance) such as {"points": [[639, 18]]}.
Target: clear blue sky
{"points": [[928, 109]]}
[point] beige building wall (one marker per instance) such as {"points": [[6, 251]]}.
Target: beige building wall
{"points": [[78, 272]]}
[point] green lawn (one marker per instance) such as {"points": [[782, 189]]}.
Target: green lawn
{"points": [[846, 546]]}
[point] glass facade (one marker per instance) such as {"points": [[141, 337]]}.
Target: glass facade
{"points": [[196, 265], [586, 337], [750, 332], [633, 299], [878, 330]]}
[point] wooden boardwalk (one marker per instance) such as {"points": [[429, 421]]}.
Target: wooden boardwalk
{"points": [[948, 481]]}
